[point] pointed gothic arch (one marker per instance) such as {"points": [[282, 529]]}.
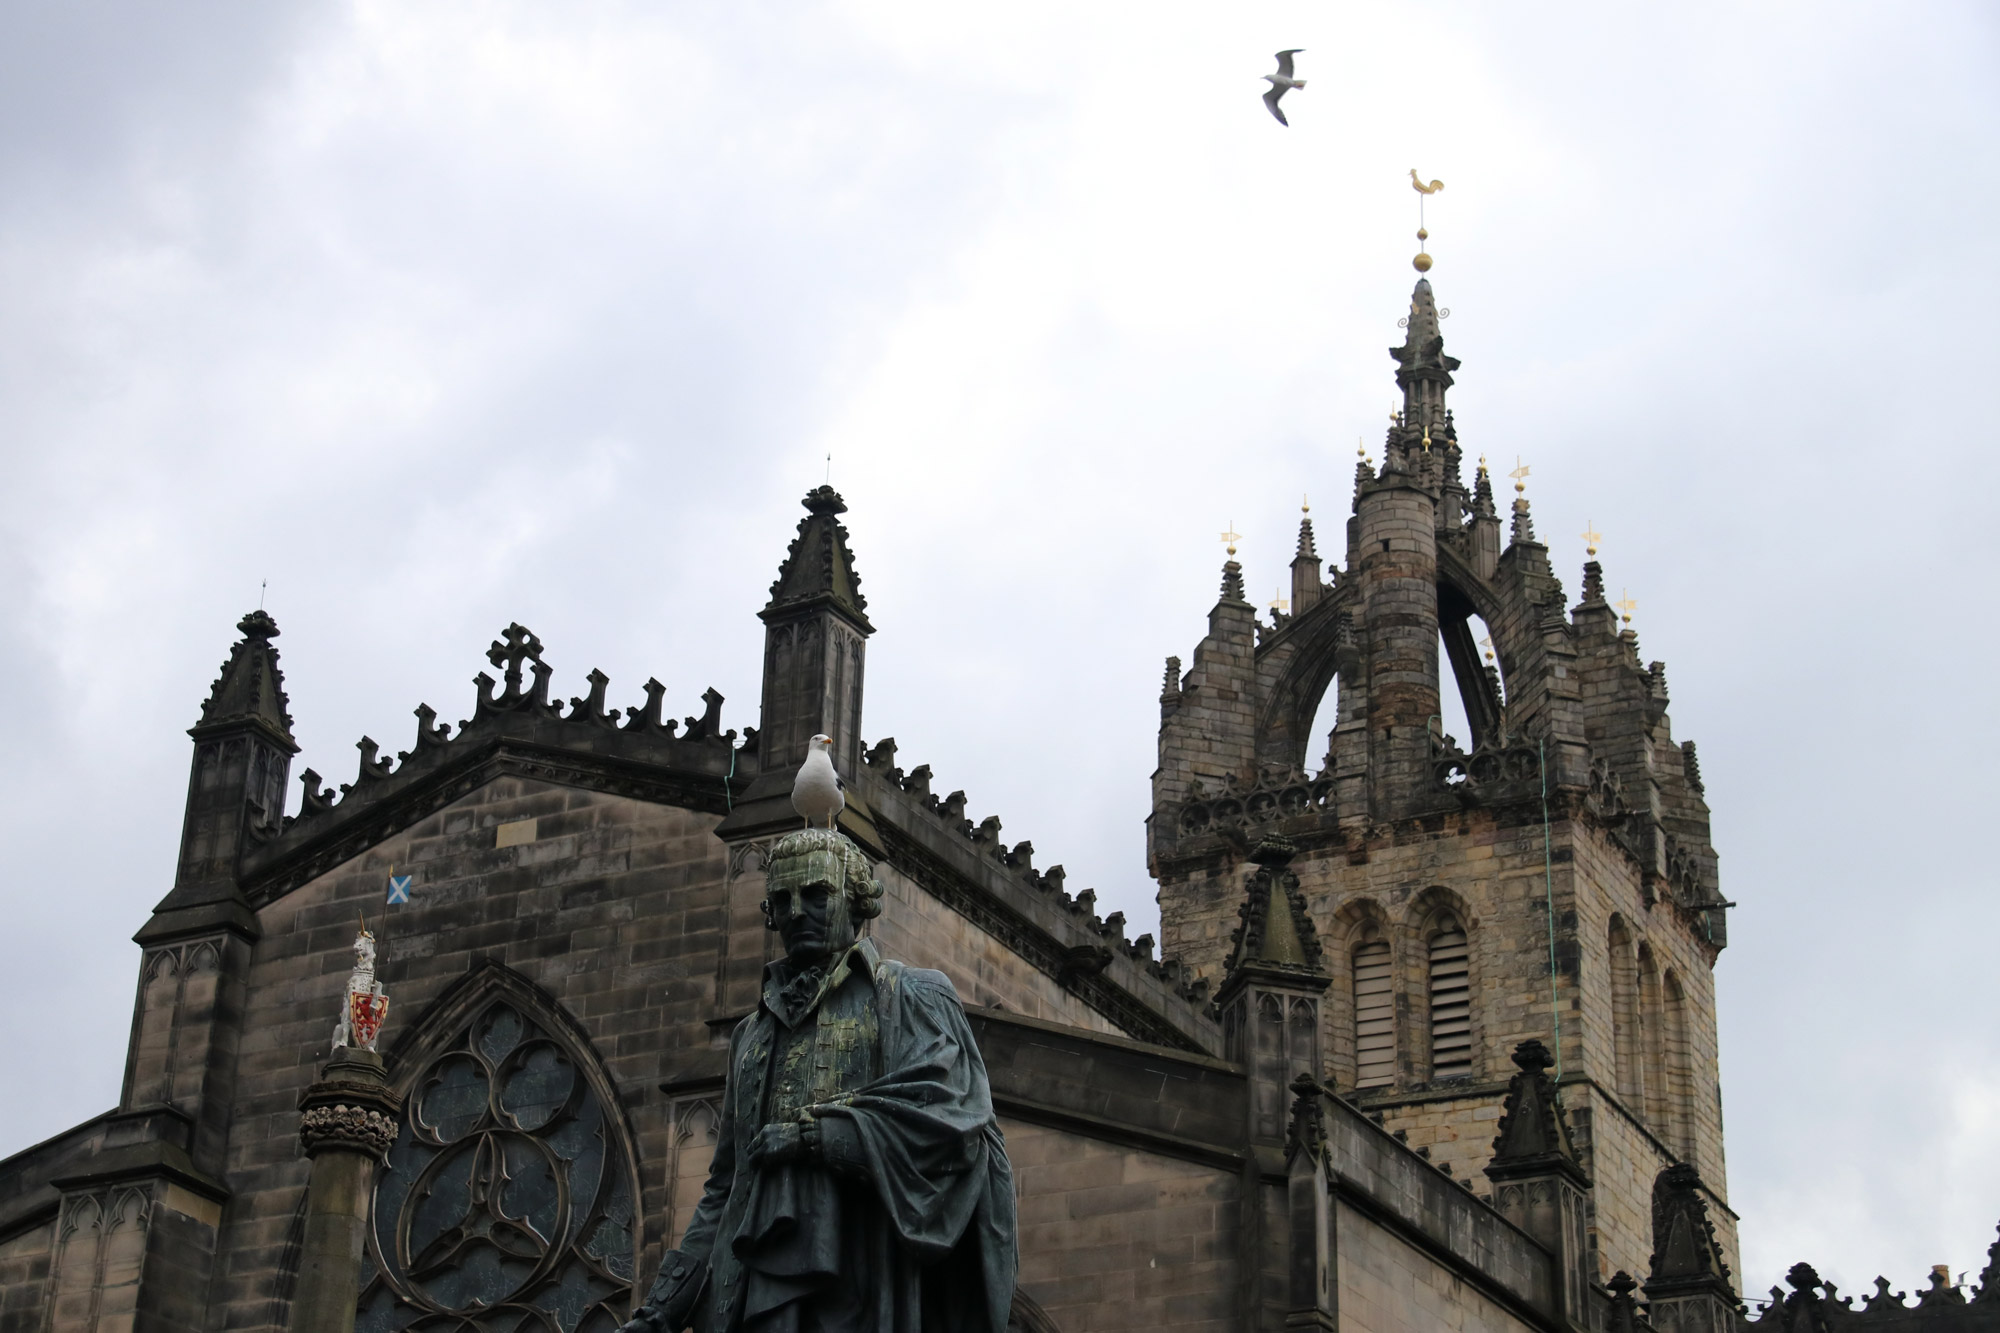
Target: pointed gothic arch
{"points": [[1442, 958], [510, 1198], [1304, 660], [1628, 1076], [1359, 924], [1652, 1044], [1679, 1130]]}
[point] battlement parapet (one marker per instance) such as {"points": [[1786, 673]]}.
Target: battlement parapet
{"points": [[515, 728], [998, 888], [1280, 800]]}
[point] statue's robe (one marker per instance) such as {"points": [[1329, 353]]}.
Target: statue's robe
{"points": [[904, 1222]]}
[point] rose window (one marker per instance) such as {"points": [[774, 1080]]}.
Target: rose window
{"points": [[506, 1204]]}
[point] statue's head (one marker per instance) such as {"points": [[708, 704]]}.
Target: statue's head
{"points": [[818, 889]]}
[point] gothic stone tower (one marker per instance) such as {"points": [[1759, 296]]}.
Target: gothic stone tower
{"points": [[1552, 879]]}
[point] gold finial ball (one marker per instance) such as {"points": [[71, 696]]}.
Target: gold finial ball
{"points": [[1423, 235], [1422, 262]]}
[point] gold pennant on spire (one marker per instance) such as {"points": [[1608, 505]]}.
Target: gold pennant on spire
{"points": [[1231, 537], [1590, 538]]}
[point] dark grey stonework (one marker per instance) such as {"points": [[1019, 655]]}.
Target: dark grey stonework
{"points": [[1194, 1145]]}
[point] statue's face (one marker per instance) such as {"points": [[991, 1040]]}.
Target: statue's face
{"points": [[813, 920]]}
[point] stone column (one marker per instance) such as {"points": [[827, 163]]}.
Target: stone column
{"points": [[347, 1123]]}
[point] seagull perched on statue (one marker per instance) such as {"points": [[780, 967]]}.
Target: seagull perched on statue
{"points": [[816, 792], [1282, 82]]}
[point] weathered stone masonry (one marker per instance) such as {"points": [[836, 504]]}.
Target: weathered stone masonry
{"points": [[1427, 1039]]}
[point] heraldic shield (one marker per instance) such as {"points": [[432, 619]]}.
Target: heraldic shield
{"points": [[364, 1017]]}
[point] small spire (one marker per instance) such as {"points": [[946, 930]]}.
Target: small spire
{"points": [[1534, 1137], [1307, 550], [251, 688], [819, 568], [1523, 530], [1274, 929], [1524, 525], [1482, 491], [1232, 581], [1593, 582]]}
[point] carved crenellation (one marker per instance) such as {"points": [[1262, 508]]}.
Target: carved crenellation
{"points": [[1507, 769], [949, 813], [521, 691], [1282, 799], [1815, 1304]]}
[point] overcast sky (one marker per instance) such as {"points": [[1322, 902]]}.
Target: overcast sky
{"points": [[440, 316]]}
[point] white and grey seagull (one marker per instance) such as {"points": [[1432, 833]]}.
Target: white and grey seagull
{"points": [[817, 791], [1282, 82]]}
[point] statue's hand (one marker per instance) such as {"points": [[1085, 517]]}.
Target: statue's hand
{"points": [[777, 1144], [676, 1292]]}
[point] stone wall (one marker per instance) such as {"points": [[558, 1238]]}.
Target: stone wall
{"points": [[1490, 874], [24, 1271], [630, 916], [1388, 1285], [1115, 1238]]}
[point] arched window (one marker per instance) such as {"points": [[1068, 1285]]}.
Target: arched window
{"points": [[1652, 1052], [1374, 1017], [1680, 1071], [1450, 1002], [508, 1198], [1625, 1034]]}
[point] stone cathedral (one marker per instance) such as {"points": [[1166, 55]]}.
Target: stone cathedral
{"points": [[1427, 1040]]}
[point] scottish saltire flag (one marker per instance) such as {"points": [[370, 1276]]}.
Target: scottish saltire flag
{"points": [[399, 888]]}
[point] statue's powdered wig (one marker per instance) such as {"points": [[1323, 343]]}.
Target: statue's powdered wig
{"points": [[813, 855]]}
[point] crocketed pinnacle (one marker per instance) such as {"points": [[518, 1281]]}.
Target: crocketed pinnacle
{"points": [[1482, 492], [1423, 371], [1306, 551], [1232, 582], [1423, 315], [1523, 531], [1593, 582], [819, 567], [1274, 929], [250, 689]]}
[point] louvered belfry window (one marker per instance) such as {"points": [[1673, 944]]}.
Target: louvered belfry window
{"points": [[1374, 1018], [1451, 1004]]}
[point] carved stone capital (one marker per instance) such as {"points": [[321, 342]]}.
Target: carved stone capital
{"points": [[350, 1108]]}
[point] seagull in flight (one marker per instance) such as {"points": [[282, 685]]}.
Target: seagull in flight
{"points": [[1282, 82]]}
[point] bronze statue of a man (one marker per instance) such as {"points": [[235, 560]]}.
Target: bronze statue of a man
{"points": [[860, 1183]]}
